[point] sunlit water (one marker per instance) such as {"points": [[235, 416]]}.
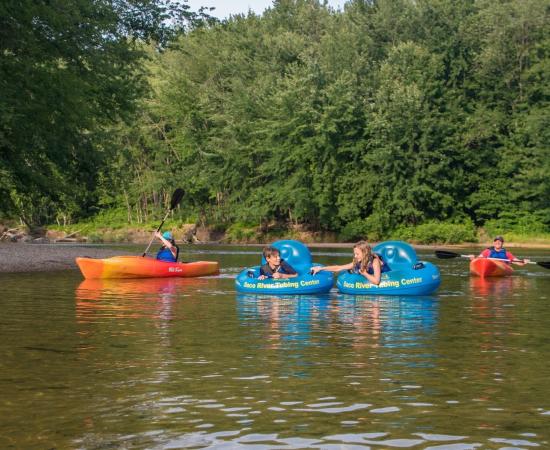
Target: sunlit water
{"points": [[189, 363]]}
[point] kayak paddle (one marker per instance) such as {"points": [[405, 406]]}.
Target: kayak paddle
{"points": [[443, 254], [176, 198]]}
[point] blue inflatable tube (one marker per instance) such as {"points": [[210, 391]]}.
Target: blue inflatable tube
{"points": [[298, 256], [407, 276]]}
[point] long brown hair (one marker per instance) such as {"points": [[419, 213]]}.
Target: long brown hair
{"points": [[367, 258]]}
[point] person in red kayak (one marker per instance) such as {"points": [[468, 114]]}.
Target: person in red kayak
{"points": [[169, 250], [497, 251]]}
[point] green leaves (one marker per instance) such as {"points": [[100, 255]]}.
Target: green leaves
{"points": [[386, 116], [68, 70], [363, 122]]}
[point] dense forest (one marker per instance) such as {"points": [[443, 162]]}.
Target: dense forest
{"points": [[368, 122]]}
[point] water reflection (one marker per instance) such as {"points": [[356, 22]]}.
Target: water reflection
{"points": [[132, 298], [498, 286], [370, 321], [136, 286], [288, 318], [392, 321]]}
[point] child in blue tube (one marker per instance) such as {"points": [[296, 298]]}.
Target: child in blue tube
{"points": [[275, 267], [365, 262]]}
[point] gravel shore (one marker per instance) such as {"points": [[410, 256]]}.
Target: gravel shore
{"points": [[46, 257]]}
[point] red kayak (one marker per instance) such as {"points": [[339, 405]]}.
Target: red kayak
{"points": [[140, 267], [490, 267]]}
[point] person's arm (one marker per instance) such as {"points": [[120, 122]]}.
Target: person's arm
{"points": [[485, 253], [377, 272], [339, 268], [167, 244], [519, 262], [289, 271]]}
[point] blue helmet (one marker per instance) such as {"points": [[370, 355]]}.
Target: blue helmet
{"points": [[167, 235]]}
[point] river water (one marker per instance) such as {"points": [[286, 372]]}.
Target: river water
{"points": [[189, 363]]}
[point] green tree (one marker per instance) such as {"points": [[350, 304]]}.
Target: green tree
{"points": [[68, 69], [386, 115]]}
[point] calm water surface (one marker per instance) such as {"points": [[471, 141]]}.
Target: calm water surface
{"points": [[189, 363]]}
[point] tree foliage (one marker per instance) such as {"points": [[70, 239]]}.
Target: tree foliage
{"points": [[68, 71], [378, 118]]}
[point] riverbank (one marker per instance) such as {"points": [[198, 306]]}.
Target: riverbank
{"points": [[192, 234]]}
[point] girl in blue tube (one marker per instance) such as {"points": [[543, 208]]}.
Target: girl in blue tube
{"points": [[365, 262]]}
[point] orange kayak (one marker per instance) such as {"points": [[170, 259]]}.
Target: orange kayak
{"points": [[485, 267], [143, 267]]}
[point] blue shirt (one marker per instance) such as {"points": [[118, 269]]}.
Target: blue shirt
{"points": [[164, 254]]}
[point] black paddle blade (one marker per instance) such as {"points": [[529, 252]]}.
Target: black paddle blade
{"points": [[545, 264], [442, 254], [176, 198]]}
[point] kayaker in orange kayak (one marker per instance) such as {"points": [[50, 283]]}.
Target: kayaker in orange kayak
{"points": [[169, 250], [497, 251]]}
